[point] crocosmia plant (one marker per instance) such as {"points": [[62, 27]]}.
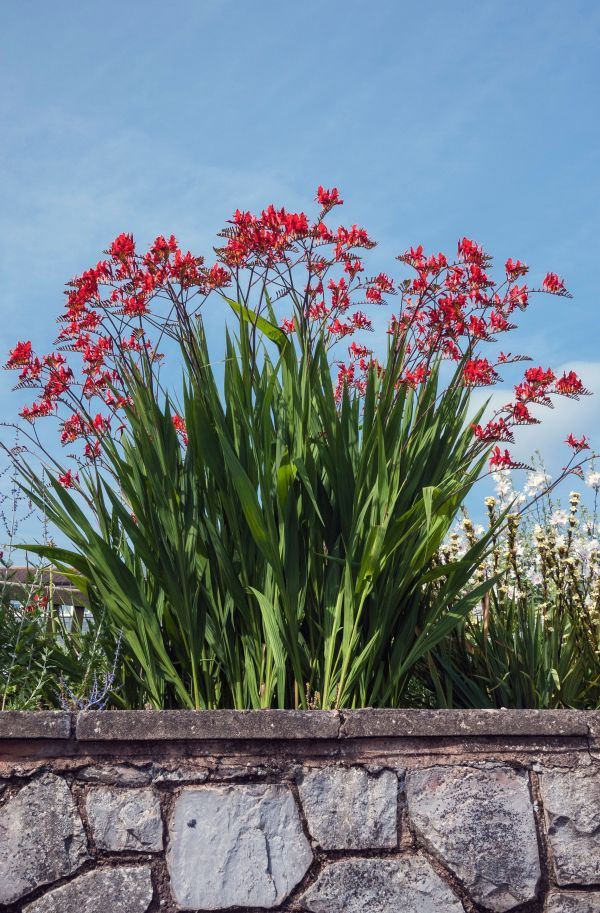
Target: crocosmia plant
{"points": [[266, 530]]}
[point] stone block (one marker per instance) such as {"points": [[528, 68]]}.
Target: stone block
{"points": [[349, 809], [479, 823], [236, 846], [41, 837], [125, 819]]}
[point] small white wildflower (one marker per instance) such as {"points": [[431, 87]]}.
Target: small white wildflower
{"points": [[534, 576], [503, 483], [536, 482], [559, 518], [593, 479], [479, 530]]}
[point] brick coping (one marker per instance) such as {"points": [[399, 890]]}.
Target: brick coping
{"points": [[180, 725]]}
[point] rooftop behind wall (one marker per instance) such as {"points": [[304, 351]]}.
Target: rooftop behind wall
{"points": [[369, 811]]}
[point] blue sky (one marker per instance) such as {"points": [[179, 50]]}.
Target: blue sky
{"points": [[437, 120]]}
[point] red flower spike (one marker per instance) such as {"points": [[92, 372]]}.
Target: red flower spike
{"points": [[123, 248], [577, 444], [181, 428], [502, 460], [553, 284], [328, 198], [19, 356], [570, 385], [69, 479]]}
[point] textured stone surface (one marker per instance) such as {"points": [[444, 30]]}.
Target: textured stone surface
{"points": [[125, 819], [41, 837], [35, 724], [480, 824], [123, 774], [121, 890], [572, 808], [465, 723], [405, 885], [236, 846], [349, 809], [207, 724], [570, 902]]}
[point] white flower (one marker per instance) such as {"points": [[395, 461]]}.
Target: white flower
{"points": [[479, 530], [536, 482], [559, 518], [534, 576], [583, 548], [593, 479], [503, 483]]}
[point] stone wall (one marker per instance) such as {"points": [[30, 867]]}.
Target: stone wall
{"points": [[358, 812]]}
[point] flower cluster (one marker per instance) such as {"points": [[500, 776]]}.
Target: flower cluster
{"points": [[448, 308], [109, 311], [548, 553]]}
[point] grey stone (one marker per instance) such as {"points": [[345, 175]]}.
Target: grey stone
{"points": [[118, 890], [572, 808], [404, 885], [125, 819], [236, 846], [480, 824], [371, 722], [144, 725], [348, 809], [41, 837], [35, 724], [182, 773], [123, 774], [571, 902]]}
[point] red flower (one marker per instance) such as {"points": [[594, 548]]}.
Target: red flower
{"points": [[493, 431], [570, 385], [502, 460], [68, 479], [20, 355], [123, 248], [553, 284], [92, 451], [353, 266], [288, 325], [373, 295], [470, 252], [418, 376], [539, 377], [357, 351], [180, 427], [479, 371], [101, 424], [72, 428], [37, 410], [577, 443], [218, 277], [515, 269], [328, 198]]}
